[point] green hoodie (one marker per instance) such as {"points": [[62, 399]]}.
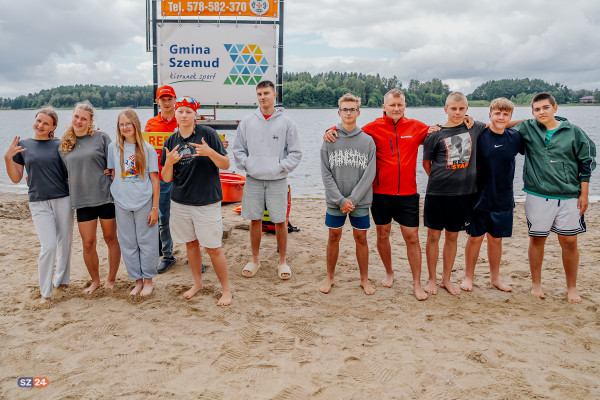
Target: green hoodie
{"points": [[559, 169]]}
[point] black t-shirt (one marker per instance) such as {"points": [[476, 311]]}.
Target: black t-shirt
{"points": [[452, 152], [496, 169], [46, 173], [196, 180]]}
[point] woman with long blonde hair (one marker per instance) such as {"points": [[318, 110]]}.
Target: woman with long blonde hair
{"points": [[49, 201], [84, 152], [136, 190]]}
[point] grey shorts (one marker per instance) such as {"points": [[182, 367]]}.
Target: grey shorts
{"points": [[260, 195], [559, 216]]}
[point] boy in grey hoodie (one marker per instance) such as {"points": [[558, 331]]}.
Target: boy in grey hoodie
{"points": [[267, 147], [348, 170]]}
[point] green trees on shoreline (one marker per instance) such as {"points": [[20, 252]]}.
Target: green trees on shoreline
{"points": [[303, 90]]}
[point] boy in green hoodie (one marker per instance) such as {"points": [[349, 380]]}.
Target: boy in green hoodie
{"points": [[559, 159]]}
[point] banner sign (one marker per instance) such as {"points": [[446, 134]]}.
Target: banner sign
{"points": [[246, 8], [217, 64]]}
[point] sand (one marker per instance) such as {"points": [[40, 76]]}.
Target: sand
{"points": [[285, 339]]}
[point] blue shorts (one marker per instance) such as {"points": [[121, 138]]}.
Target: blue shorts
{"points": [[498, 224], [358, 219]]}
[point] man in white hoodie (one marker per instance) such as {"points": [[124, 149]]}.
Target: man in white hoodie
{"points": [[267, 147]]}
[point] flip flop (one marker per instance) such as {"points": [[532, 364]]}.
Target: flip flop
{"points": [[252, 268], [284, 269]]}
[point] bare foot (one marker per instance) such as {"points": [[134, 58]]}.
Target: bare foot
{"points": [[139, 285], [536, 290], [192, 292], [467, 284], [572, 296], [63, 286], [148, 287], [225, 299], [431, 287], [419, 292], [44, 300], [388, 281], [366, 285], [109, 284], [501, 286], [327, 285], [92, 288], [450, 288]]}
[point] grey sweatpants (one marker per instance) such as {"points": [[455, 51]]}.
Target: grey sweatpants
{"points": [[138, 241], [53, 221]]}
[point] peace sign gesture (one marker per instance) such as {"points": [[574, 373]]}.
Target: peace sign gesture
{"points": [[14, 148]]}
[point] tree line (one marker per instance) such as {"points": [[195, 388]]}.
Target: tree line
{"points": [[301, 89]]}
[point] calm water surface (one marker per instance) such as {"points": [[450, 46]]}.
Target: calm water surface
{"points": [[306, 179]]}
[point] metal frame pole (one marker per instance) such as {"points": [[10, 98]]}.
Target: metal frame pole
{"points": [[280, 56], [154, 55]]}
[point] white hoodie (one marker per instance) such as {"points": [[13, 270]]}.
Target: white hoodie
{"points": [[267, 149]]}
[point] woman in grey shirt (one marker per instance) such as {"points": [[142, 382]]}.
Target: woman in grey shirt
{"points": [[48, 198], [84, 152]]}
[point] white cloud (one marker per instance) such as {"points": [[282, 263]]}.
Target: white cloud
{"points": [[463, 42]]}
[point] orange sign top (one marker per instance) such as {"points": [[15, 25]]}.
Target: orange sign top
{"points": [[244, 8]]}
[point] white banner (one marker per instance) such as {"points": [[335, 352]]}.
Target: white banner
{"points": [[216, 63]]}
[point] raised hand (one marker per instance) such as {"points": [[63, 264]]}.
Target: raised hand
{"points": [[173, 156], [202, 149], [14, 148]]}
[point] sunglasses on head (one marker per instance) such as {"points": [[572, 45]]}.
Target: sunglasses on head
{"points": [[187, 99]]}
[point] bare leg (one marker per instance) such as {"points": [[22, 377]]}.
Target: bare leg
{"points": [[87, 230], [413, 253], [432, 253], [570, 258], [333, 250], [385, 252], [148, 287], [255, 237], [471, 254], [449, 255], [139, 285], [109, 231], [219, 262], [536, 257], [195, 260], [281, 234], [362, 256], [494, 256]]}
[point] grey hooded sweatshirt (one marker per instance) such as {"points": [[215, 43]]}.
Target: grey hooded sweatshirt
{"points": [[267, 149], [348, 169]]}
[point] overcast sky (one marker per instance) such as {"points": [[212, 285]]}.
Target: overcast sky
{"points": [[48, 43]]}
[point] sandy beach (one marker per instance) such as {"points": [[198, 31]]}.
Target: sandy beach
{"points": [[285, 339]]}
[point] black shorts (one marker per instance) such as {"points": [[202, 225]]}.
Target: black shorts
{"points": [[452, 213], [498, 224], [104, 211], [402, 209]]}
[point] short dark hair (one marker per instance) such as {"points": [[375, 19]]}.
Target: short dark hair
{"points": [[265, 83], [543, 96]]}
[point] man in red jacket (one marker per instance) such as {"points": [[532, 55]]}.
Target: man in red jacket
{"points": [[395, 196]]}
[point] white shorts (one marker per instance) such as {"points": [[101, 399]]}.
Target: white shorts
{"points": [[202, 223], [559, 216]]}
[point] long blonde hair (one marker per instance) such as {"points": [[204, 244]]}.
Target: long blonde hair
{"points": [[49, 111], [140, 147], [69, 138]]}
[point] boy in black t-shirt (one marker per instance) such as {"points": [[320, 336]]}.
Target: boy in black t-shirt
{"points": [[497, 148], [449, 160]]}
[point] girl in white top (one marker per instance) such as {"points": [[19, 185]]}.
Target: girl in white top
{"points": [[135, 190]]}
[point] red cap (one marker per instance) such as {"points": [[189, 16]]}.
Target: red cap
{"points": [[165, 91], [187, 101]]}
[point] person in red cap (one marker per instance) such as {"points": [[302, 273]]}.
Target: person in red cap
{"points": [[191, 159], [164, 122]]}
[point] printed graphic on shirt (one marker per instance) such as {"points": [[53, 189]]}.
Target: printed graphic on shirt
{"points": [[129, 171], [458, 151], [348, 158], [187, 152]]}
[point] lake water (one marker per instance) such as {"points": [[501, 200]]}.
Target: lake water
{"points": [[305, 181]]}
